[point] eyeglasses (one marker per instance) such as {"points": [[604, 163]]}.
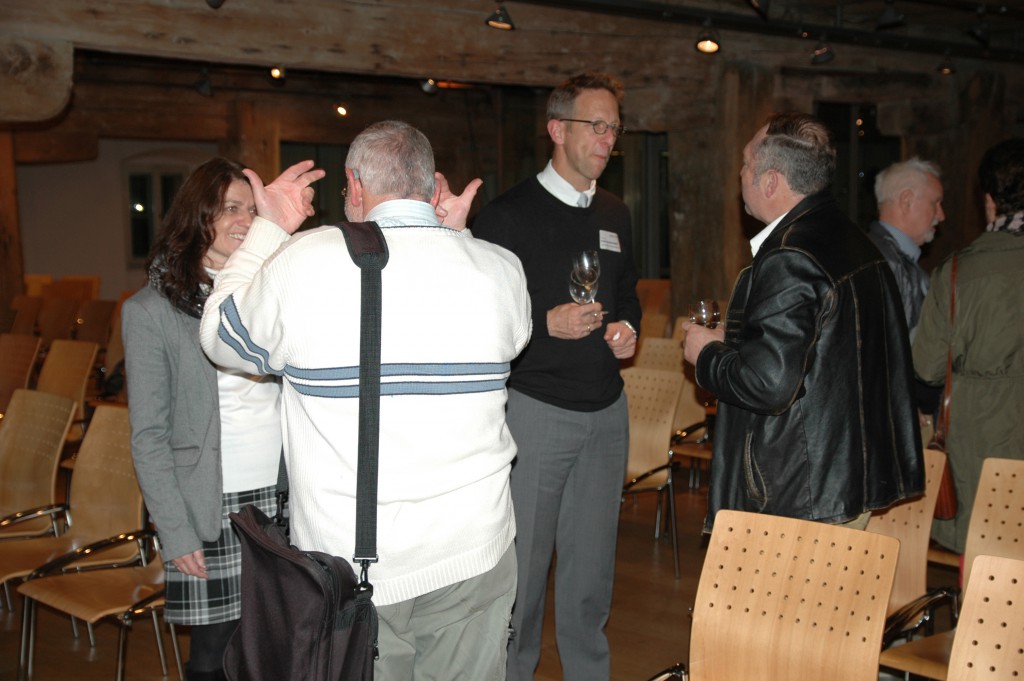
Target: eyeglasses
{"points": [[600, 127]]}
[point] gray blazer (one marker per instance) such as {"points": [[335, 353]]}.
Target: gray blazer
{"points": [[175, 419]]}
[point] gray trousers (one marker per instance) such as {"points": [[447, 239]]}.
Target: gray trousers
{"points": [[458, 633], [566, 489]]}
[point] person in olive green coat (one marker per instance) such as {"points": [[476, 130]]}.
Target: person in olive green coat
{"points": [[987, 399]]}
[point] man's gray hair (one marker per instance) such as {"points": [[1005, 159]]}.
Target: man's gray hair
{"points": [[393, 160], [903, 175], [799, 147]]}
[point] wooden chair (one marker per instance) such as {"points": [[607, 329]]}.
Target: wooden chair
{"points": [[989, 637], [654, 325], [997, 529], [34, 283], [26, 310], [781, 598], [910, 521], [659, 353], [74, 287], [123, 594], [31, 440], [17, 358], [88, 285], [66, 371], [652, 396], [93, 321], [105, 501], [57, 319]]}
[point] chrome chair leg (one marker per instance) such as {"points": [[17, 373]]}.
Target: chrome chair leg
{"points": [[671, 491], [177, 651], [159, 643]]}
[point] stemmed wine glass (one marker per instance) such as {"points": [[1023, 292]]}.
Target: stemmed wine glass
{"points": [[706, 313], [586, 269]]}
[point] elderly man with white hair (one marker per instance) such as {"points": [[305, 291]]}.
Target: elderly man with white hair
{"points": [[909, 195]]}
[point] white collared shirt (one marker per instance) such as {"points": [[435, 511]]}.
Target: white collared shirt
{"points": [[762, 236], [560, 188], [403, 213]]}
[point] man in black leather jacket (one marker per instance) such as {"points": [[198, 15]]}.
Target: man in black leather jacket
{"points": [[812, 373]]}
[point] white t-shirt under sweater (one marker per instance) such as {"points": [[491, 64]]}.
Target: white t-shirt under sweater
{"points": [[250, 427], [456, 312]]}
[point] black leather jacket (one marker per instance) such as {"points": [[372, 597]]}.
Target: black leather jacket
{"points": [[911, 280], [815, 416]]}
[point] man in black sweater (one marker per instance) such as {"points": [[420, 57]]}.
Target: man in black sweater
{"points": [[566, 408]]}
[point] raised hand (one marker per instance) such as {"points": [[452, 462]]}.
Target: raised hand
{"points": [[453, 210], [288, 200]]}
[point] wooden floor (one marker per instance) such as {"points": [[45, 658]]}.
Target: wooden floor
{"points": [[649, 628]]}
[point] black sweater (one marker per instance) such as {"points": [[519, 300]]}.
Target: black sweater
{"points": [[581, 375]]}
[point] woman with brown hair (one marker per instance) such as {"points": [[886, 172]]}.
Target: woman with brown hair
{"points": [[205, 440]]}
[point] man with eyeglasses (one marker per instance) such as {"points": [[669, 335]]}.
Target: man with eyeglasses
{"points": [[566, 409]]}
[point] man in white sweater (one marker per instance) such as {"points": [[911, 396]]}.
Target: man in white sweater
{"points": [[456, 312]]}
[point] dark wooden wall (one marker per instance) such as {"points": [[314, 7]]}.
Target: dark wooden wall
{"points": [[54, 108]]}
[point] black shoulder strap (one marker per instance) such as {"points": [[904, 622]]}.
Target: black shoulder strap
{"points": [[369, 251]]}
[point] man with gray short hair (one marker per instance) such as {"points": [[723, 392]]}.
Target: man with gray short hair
{"points": [[909, 195]]}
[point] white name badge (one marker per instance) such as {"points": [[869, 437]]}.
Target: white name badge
{"points": [[609, 241]]}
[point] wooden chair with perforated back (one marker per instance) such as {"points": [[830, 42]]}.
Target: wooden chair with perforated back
{"points": [[659, 353], [910, 521], [652, 395], [30, 445], [122, 594], [990, 635], [997, 529], [66, 371], [17, 358], [781, 598], [105, 501]]}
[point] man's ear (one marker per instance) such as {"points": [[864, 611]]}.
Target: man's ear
{"points": [[769, 183], [556, 130], [355, 188], [905, 199]]}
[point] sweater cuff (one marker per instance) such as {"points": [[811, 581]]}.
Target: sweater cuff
{"points": [[264, 237]]}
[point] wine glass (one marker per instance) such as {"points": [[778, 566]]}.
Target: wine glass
{"points": [[586, 269], [706, 313], [582, 293]]}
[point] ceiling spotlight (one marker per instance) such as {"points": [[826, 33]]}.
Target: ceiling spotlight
{"points": [[277, 72], [429, 86], [890, 16], [946, 66], [501, 20], [215, 4], [761, 6], [707, 41], [341, 110], [203, 86], [822, 52]]}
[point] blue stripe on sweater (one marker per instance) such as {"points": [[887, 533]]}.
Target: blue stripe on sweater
{"points": [[402, 388], [349, 373], [234, 334]]}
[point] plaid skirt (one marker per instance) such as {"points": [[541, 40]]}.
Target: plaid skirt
{"points": [[191, 600]]}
